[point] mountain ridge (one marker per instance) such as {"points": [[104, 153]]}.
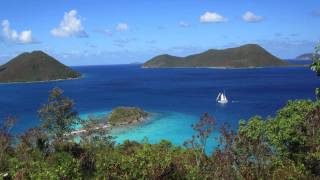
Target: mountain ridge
{"points": [[249, 55]]}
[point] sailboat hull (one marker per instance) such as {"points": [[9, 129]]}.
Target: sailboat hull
{"points": [[223, 101]]}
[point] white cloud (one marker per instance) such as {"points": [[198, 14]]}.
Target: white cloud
{"points": [[212, 17], [69, 26], [25, 37], [184, 24], [122, 27], [251, 17]]}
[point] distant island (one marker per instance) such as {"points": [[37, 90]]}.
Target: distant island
{"points": [[306, 56], [35, 66], [250, 55], [121, 116], [136, 62]]}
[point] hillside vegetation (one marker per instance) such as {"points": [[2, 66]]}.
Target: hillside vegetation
{"points": [[127, 115]]}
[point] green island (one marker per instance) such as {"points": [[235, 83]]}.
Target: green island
{"points": [[127, 116], [245, 56], [307, 56], [35, 66], [283, 146], [120, 116]]}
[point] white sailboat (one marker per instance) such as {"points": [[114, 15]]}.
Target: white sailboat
{"points": [[222, 98]]}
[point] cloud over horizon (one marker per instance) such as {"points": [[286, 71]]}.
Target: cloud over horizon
{"points": [[122, 27], [106, 32], [24, 37], [212, 17], [70, 25], [250, 17], [184, 24], [123, 42]]}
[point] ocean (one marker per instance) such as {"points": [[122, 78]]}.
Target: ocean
{"points": [[176, 97]]}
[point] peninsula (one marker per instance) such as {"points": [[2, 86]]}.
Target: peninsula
{"points": [[250, 55], [35, 66]]}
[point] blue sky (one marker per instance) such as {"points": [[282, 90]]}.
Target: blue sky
{"points": [[89, 32]]}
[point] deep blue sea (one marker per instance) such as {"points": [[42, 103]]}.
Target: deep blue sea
{"points": [[176, 97]]}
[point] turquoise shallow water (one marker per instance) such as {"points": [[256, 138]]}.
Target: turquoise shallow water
{"points": [[172, 126]]}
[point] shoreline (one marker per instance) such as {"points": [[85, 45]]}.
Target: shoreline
{"points": [[132, 123], [77, 132], [111, 127], [226, 67], [43, 81]]}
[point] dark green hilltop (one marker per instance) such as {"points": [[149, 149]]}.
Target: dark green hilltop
{"points": [[250, 55], [35, 66]]}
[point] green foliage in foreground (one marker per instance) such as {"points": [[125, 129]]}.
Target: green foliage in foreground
{"points": [[284, 147], [315, 66]]}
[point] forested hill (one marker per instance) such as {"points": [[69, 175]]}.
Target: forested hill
{"points": [[35, 66], [249, 55]]}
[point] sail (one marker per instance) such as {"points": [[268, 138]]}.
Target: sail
{"points": [[223, 98], [218, 97]]}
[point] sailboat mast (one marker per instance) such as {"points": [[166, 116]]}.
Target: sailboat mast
{"points": [[218, 97]]}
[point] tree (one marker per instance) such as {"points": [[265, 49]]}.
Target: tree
{"points": [[94, 130], [33, 144], [315, 66], [6, 141], [292, 136], [312, 124], [198, 142], [223, 157], [58, 116]]}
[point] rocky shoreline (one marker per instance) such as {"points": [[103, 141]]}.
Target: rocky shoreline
{"points": [[131, 123], [42, 81]]}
